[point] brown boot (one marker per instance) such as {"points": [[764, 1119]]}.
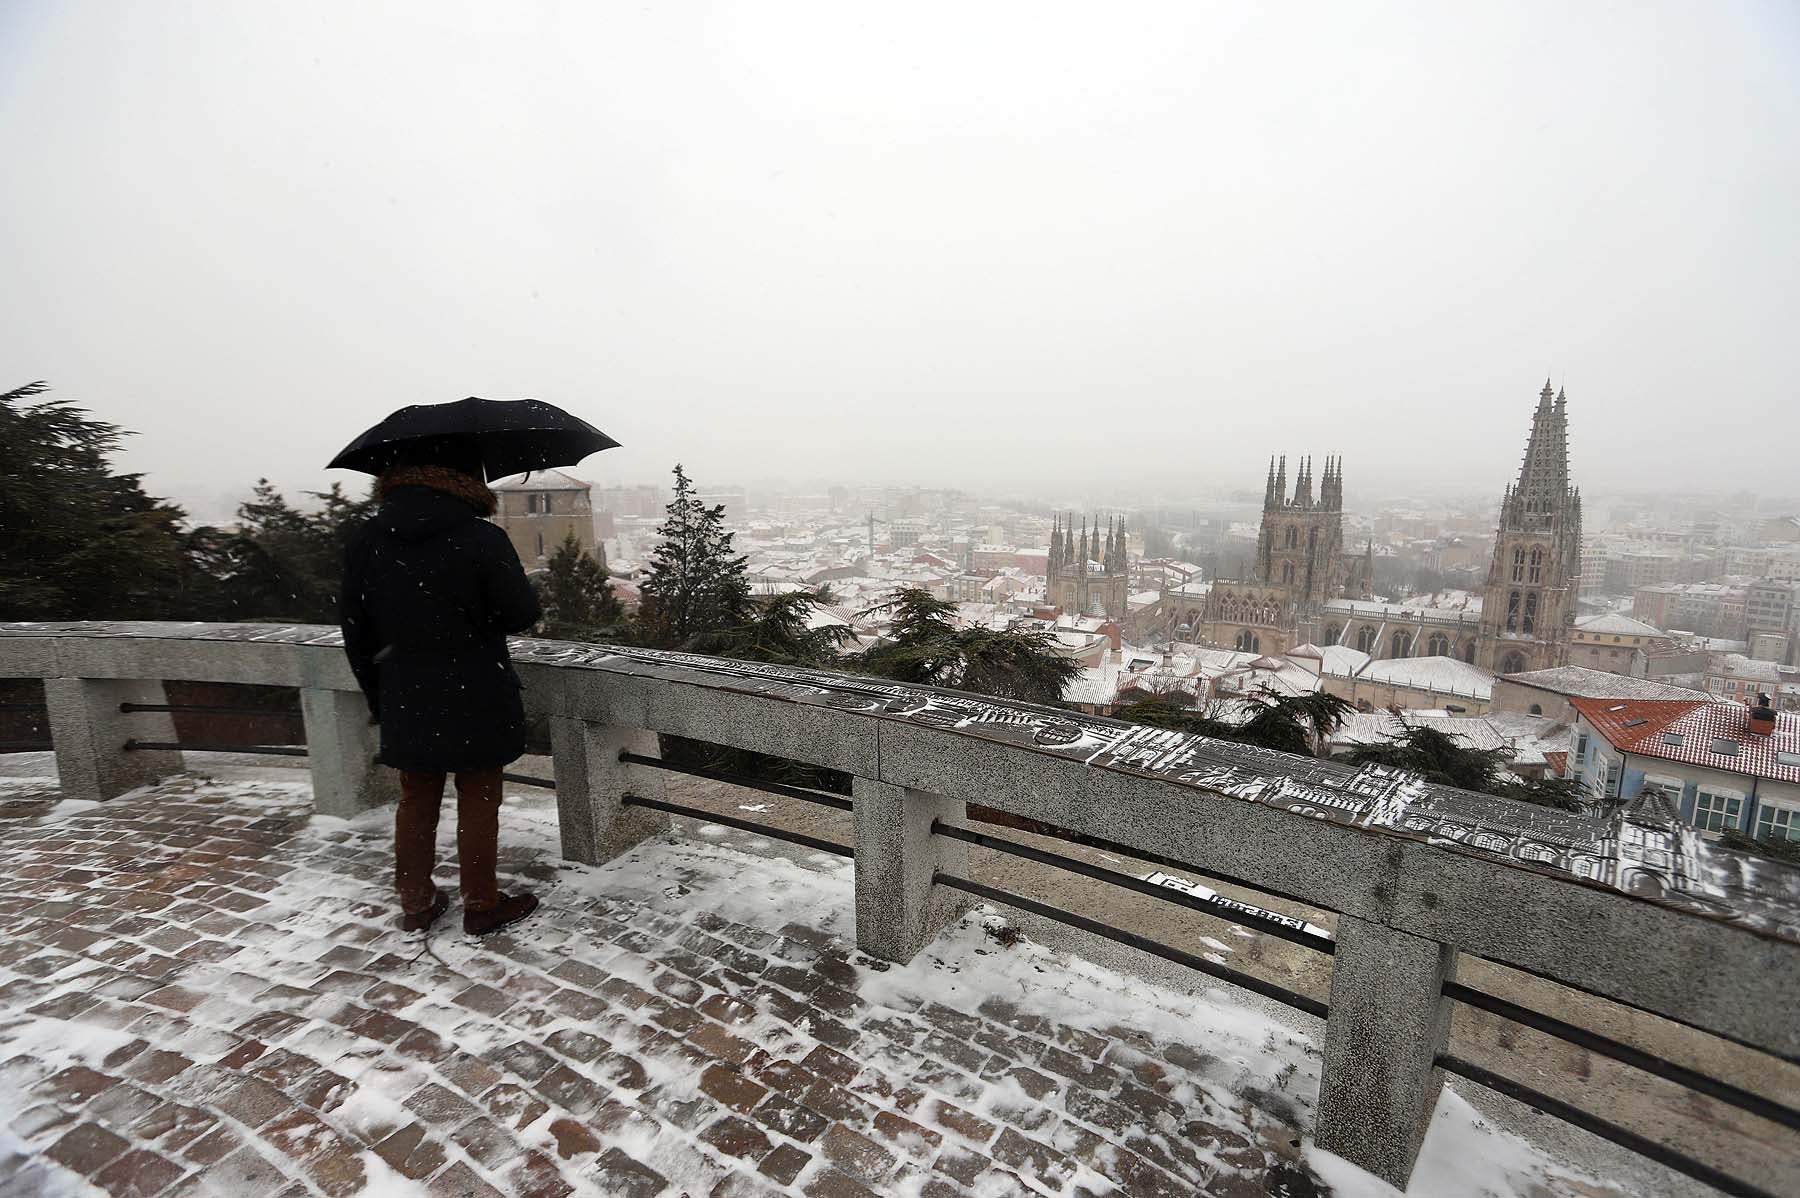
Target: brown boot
{"points": [[420, 921], [508, 911]]}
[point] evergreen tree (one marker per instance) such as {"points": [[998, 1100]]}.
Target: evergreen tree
{"points": [[280, 563], [77, 540], [577, 596], [924, 645], [268, 563], [780, 631], [695, 585], [1437, 757], [1777, 847], [1285, 723], [1564, 794]]}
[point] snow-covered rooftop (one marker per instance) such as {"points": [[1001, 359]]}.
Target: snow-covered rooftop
{"points": [[1714, 735], [1404, 613], [542, 480], [1446, 675], [1614, 624], [1581, 682]]}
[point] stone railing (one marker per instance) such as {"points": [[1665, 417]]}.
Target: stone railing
{"points": [[1641, 913]]}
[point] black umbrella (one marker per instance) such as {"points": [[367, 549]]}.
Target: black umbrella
{"points": [[514, 435]]}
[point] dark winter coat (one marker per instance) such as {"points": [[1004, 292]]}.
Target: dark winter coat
{"points": [[431, 592]]}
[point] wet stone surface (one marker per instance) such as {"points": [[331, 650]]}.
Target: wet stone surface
{"points": [[205, 991]]}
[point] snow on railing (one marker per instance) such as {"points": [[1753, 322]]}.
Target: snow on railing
{"points": [[1417, 875]]}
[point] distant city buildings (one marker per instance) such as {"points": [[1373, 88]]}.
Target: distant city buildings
{"points": [[1703, 608], [1739, 678], [1772, 619], [1449, 608], [1617, 644]]}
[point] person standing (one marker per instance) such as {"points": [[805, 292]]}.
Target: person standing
{"points": [[431, 592]]}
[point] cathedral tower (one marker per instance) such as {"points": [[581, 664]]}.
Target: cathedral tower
{"points": [[1528, 608], [1302, 540], [1086, 575], [1300, 565]]}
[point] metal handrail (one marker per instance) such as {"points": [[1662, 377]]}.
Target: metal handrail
{"points": [[209, 709], [1244, 981], [1654, 1150], [180, 746], [1323, 944], [1605, 1046], [743, 825], [803, 793]]}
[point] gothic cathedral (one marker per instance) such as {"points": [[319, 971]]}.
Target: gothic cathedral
{"points": [[1086, 577], [1306, 589], [1300, 565], [1528, 608]]}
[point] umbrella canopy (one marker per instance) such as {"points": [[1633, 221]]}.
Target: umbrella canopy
{"points": [[514, 435]]}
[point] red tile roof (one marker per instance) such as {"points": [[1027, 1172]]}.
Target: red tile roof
{"points": [[1625, 722], [1647, 726]]}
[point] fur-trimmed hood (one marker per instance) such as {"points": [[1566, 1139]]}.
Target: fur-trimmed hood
{"points": [[465, 487]]}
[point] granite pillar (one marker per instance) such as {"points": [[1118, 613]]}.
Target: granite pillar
{"points": [[898, 910], [591, 781], [1388, 1023]]}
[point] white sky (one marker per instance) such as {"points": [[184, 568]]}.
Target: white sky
{"points": [[990, 245]]}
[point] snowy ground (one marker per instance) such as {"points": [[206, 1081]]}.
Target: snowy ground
{"points": [[210, 979]]}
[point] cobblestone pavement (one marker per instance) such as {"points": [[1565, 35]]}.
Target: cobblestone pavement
{"points": [[202, 991]]}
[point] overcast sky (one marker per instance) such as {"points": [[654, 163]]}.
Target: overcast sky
{"points": [[1003, 246]]}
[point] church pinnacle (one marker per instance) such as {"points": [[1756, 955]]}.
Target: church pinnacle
{"points": [[1542, 493]]}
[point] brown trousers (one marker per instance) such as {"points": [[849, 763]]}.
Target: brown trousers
{"points": [[477, 837]]}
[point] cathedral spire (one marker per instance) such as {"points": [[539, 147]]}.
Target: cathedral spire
{"points": [[1050, 561], [1542, 494], [1269, 491], [1281, 482]]}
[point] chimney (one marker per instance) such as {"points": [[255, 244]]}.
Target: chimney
{"points": [[1762, 717]]}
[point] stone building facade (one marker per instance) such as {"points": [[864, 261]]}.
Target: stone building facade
{"points": [[1307, 590], [1300, 566], [1086, 576], [539, 510], [1528, 606]]}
